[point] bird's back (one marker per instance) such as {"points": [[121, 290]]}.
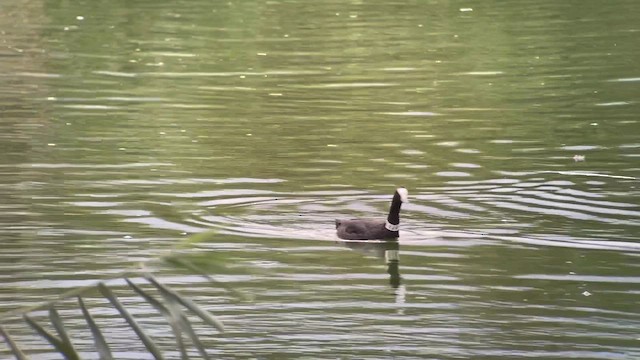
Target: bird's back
{"points": [[363, 229]]}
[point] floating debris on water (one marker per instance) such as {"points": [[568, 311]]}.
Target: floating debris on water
{"points": [[578, 158], [586, 293]]}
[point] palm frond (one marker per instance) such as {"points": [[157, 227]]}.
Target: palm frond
{"points": [[15, 349], [98, 339], [168, 302]]}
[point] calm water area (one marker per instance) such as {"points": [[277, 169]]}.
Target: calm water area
{"points": [[126, 127]]}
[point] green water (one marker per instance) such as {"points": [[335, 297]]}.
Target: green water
{"points": [[127, 126]]}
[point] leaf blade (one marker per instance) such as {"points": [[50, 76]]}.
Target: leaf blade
{"points": [[172, 319], [195, 268], [203, 314], [52, 339], [15, 349], [146, 340], [98, 339], [57, 323]]}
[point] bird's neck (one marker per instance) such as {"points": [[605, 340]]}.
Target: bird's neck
{"points": [[394, 210]]}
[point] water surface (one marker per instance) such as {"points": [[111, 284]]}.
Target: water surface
{"points": [[127, 127]]}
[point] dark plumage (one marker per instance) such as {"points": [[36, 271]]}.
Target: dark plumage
{"points": [[374, 229]]}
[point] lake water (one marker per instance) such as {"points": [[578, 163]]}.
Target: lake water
{"points": [[126, 127]]}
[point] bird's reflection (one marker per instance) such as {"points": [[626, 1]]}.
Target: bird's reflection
{"points": [[388, 250]]}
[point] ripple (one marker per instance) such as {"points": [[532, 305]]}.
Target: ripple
{"points": [[468, 151], [614, 103], [466, 165], [410, 113], [582, 278], [452, 174], [482, 73], [85, 166], [91, 107], [350, 85], [581, 147], [448, 143], [626, 79], [412, 152]]}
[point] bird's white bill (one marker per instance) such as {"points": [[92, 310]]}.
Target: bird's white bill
{"points": [[404, 194]]}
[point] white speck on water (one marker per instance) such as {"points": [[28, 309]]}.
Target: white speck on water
{"points": [[468, 151], [412, 152], [80, 17], [412, 113], [242, 76], [466, 165], [286, 35], [127, 236], [594, 124], [68, 123], [66, 28], [122, 149], [51, 98], [578, 158], [332, 145], [262, 54], [453, 174], [249, 134], [275, 94], [183, 233], [51, 144], [163, 133], [614, 103], [571, 273], [580, 147], [586, 293], [448, 143], [568, 262], [626, 79], [466, 9], [183, 130], [353, 16]]}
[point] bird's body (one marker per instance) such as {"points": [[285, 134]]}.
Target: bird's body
{"points": [[363, 229], [374, 229]]}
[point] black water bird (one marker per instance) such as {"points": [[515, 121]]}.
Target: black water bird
{"points": [[375, 229]]}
